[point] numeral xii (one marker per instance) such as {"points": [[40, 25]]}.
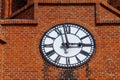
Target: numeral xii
{"points": [[67, 29]]}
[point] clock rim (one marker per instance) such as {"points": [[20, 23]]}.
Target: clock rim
{"points": [[43, 56]]}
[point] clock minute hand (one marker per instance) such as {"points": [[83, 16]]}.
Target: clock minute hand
{"points": [[63, 43], [67, 42]]}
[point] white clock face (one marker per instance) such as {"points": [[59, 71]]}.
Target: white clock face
{"points": [[67, 45]]}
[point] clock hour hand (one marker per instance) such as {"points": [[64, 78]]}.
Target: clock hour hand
{"points": [[70, 47], [73, 44]]}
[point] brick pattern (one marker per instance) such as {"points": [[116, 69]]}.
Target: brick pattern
{"points": [[0, 57], [18, 22], [107, 59], [68, 1], [50, 13], [18, 63], [2, 41], [0, 61], [22, 59]]}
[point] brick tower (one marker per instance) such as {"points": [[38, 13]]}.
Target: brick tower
{"points": [[86, 45]]}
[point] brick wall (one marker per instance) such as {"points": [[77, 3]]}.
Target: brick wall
{"points": [[0, 51], [103, 61], [2, 42], [22, 59], [0, 59]]}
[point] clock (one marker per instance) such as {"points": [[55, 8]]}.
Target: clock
{"points": [[67, 45]]}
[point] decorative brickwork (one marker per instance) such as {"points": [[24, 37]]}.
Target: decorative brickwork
{"points": [[20, 57]]}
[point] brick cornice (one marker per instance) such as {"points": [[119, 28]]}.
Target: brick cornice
{"points": [[68, 1], [18, 22]]}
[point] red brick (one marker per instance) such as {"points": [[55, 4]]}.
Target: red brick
{"points": [[21, 58]]}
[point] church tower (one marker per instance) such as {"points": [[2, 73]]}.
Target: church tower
{"points": [[59, 40]]}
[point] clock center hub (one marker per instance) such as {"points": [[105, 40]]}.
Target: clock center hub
{"points": [[73, 48]]}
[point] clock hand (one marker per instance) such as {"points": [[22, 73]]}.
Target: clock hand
{"points": [[78, 44], [67, 42], [71, 47], [71, 44], [63, 43]]}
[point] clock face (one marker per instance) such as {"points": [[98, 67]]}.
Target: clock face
{"points": [[67, 45]]}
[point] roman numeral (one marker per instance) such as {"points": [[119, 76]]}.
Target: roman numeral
{"points": [[48, 45], [58, 31], [77, 31], [58, 59], [67, 60], [78, 60], [67, 29], [87, 45], [84, 53], [84, 37], [50, 53], [50, 37]]}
